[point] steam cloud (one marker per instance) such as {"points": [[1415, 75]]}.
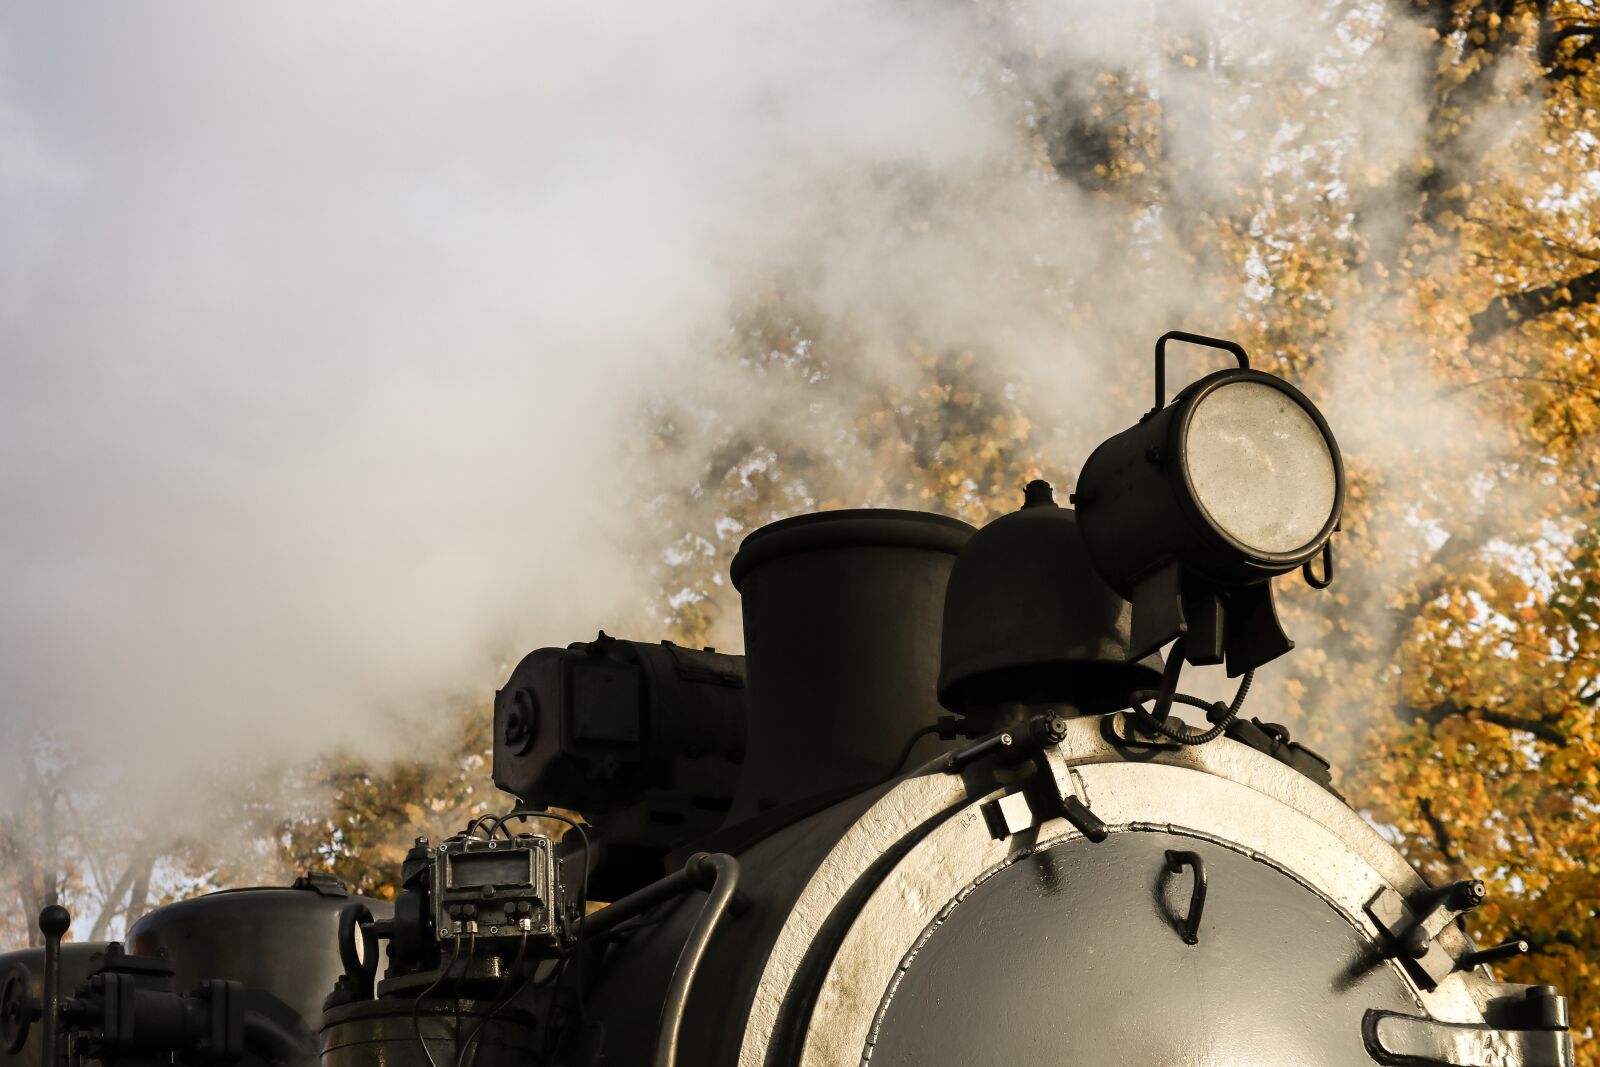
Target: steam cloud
{"points": [[325, 329]]}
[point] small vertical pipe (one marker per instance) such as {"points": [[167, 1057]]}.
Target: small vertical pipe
{"points": [[54, 921]]}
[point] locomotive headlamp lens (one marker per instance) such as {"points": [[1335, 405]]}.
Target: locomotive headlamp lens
{"points": [[1260, 467]]}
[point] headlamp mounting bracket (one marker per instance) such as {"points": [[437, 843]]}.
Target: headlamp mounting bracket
{"points": [[1238, 625]]}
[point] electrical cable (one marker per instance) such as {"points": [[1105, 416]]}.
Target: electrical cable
{"points": [[476, 824], [1184, 736], [910, 746], [466, 968], [416, 1005], [583, 887], [514, 988]]}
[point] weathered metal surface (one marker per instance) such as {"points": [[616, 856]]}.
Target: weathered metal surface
{"points": [[1130, 798], [904, 813], [1073, 950], [1223, 791]]}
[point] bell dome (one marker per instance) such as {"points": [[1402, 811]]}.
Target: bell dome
{"points": [[1028, 619]]}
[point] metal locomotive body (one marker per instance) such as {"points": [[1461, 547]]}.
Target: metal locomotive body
{"points": [[925, 819]]}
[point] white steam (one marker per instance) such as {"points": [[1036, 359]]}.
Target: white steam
{"points": [[325, 327]]}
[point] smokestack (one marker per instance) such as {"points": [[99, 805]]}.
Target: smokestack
{"points": [[842, 618]]}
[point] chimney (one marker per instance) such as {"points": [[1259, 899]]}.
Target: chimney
{"points": [[842, 619]]}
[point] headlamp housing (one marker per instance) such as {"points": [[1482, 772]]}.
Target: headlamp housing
{"points": [[1192, 511]]}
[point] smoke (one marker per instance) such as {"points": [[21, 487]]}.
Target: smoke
{"points": [[327, 330]]}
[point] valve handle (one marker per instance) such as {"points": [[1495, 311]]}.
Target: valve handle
{"points": [[54, 921], [18, 1008]]}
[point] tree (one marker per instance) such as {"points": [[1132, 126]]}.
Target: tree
{"points": [[1439, 293], [55, 849], [1452, 669]]}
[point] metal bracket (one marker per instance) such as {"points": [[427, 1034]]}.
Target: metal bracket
{"points": [[1053, 792], [1015, 812], [1406, 1039], [1413, 928]]}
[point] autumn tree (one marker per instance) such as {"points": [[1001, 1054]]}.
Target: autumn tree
{"points": [[1452, 668], [1442, 302]]}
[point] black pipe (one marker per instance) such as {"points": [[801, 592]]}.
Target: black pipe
{"points": [[275, 1042], [638, 902], [1505, 951], [54, 921], [724, 871]]}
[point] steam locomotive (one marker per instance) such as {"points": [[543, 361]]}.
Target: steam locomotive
{"points": [[941, 812]]}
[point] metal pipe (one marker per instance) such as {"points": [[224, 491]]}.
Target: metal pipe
{"points": [[724, 872], [275, 1042], [54, 921], [638, 902]]}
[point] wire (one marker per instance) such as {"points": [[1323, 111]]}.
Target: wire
{"points": [[507, 998], [910, 746], [1182, 735], [583, 887], [416, 1005], [466, 968], [624, 930], [486, 819]]}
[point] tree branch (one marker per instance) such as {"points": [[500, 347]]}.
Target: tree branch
{"points": [[113, 899], [1575, 63], [1508, 309], [1441, 833], [1545, 729], [1563, 382], [1457, 546]]}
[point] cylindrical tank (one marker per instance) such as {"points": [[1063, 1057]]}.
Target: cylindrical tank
{"points": [[404, 1032], [281, 940], [842, 615]]}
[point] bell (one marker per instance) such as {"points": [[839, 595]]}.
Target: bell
{"points": [[1028, 619]]}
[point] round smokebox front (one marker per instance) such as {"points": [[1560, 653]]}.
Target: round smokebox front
{"points": [[1076, 954]]}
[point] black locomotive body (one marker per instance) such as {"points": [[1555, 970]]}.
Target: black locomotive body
{"points": [[926, 819]]}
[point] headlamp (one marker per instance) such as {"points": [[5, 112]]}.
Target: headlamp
{"points": [[1191, 512]]}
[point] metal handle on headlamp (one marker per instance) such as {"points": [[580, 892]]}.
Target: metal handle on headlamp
{"points": [[1195, 339]]}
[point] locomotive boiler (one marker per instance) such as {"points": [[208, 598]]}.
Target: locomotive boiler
{"points": [[943, 811]]}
